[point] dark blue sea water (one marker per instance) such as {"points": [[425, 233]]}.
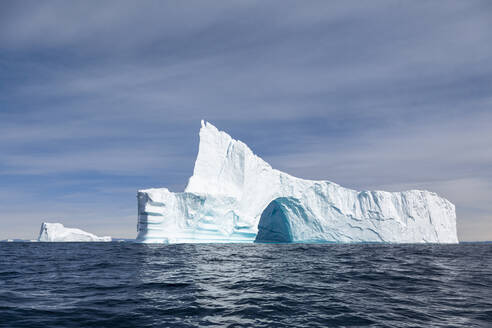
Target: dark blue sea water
{"points": [[134, 285]]}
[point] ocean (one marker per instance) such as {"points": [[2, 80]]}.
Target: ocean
{"points": [[241, 285]]}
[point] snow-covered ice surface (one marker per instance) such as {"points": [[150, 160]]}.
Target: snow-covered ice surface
{"points": [[56, 232], [231, 188]]}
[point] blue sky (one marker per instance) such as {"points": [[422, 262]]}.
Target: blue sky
{"points": [[101, 98]]}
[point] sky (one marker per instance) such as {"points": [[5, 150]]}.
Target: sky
{"points": [[101, 98]]}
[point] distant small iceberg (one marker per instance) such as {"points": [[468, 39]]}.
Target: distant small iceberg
{"points": [[56, 232]]}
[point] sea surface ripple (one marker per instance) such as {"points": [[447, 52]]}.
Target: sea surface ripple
{"points": [[230, 285]]}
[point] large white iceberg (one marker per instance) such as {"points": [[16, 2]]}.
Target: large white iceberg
{"points": [[56, 232], [231, 188]]}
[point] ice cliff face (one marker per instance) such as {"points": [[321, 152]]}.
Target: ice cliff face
{"points": [[327, 212], [56, 232], [231, 188]]}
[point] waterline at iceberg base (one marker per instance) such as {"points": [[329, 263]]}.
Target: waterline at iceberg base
{"points": [[235, 196]]}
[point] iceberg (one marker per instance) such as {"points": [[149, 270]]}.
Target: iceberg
{"points": [[235, 196], [56, 232]]}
